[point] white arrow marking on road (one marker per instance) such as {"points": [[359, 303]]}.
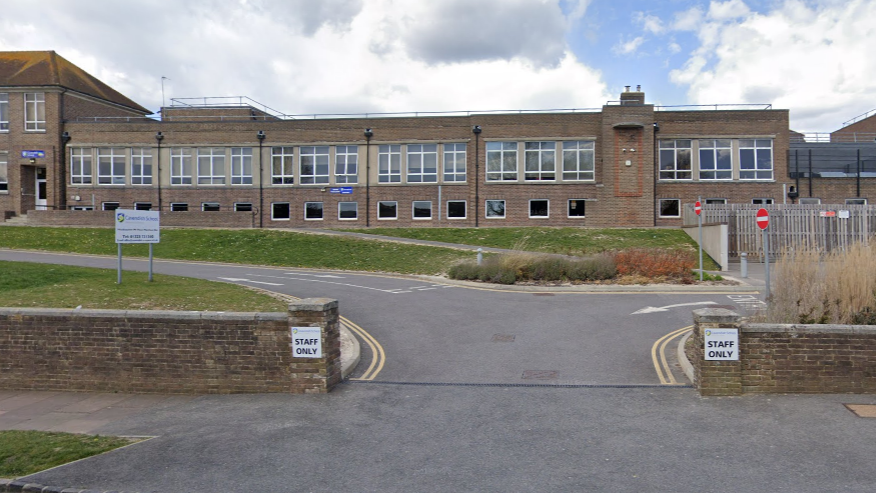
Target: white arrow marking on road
{"points": [[234, 279], [653, 309]]}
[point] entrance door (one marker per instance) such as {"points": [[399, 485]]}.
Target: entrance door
{"points": [[41, 195]]}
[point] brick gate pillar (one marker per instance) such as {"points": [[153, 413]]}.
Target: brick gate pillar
{"points": [[715, 377], [317, 375]]}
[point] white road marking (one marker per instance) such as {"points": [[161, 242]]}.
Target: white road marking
{"points": [[654, 309], [746, 299], [288, 277], [235, 279], [315, 275]]}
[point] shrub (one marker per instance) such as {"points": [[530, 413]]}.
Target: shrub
{"points": [[597, 268], [549, 269], [655, 263], [466, 271]]}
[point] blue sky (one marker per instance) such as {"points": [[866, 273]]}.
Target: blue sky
{"points": [[813, 57]]}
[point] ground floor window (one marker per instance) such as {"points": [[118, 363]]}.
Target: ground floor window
{"points": [[670, 207], [539, 208], [313, 211], [810, 200], [716, 201], [110, 206], [82, 208], [495, 209], [142, 206], [210, 206], [856, 201], [242, 207], [576, 208], [762, 201], [456, 209], [179, 206], [387, 210], [280, 211], [348, 211], [422, 209]]}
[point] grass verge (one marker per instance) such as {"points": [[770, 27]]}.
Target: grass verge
{"points": [[27, 452], [25, 284]]}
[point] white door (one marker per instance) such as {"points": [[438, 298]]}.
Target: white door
{"points": [[41, 195]]}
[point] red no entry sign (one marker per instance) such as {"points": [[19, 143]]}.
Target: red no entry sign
{"points": [[698, 207], [763, 218]]}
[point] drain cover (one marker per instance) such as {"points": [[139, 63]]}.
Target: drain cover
{"points": [[503, 338], [862, 410], [540, 374]]}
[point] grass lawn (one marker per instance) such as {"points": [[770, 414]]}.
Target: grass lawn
{"points": [[26, 452], [25, 284]]}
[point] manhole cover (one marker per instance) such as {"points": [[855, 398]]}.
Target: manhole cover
{"points": [[862, 410], [544, 294], [540, 374], [503, 338]]}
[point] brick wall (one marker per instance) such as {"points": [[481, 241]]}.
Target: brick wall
{"points": [[779, 358], [98, 218], [166, 352]]}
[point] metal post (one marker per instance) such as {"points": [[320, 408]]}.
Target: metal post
{"points": [[743, 261], [766, 258], [150, 262], [119, 280], [261, 137], [477, 132], [700, 224], [480, 256], [368, 134]]}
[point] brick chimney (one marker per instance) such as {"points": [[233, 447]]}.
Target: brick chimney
{"points": [[629, 97]]}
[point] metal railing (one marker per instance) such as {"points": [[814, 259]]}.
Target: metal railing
{"points": [[860, 117]]}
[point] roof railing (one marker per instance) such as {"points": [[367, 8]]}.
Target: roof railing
{"points": [[862, 116]]}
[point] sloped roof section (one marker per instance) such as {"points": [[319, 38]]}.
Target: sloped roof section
{"points": [[47, 68]]}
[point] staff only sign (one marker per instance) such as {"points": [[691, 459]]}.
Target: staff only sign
{"points": [[306, 342], [721, 344]]}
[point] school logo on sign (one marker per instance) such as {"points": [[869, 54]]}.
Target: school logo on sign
{"points": [[120, 217]]}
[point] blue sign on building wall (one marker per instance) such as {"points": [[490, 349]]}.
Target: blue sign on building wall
{"points": [[342, 190], [33, 154]]}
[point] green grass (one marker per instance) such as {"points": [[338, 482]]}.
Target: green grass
{"points": [[259, 247], [26, 452], [25, 284]]}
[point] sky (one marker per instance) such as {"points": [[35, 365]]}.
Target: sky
{"points": [[813, 57]]}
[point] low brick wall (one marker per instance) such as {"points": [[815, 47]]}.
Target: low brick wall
{"points": [[785, 358], [198, 219], [167, 352]]}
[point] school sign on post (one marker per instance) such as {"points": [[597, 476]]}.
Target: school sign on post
{"points": [[137, 227]]}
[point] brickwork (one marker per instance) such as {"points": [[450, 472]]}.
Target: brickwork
{"points": [[104, 219], [166, 352], [779, 358]]}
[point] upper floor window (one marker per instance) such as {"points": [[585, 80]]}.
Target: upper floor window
{"points": [[80, 166], [4, 112], [141, 166], [454, 162], [111, 166], [578, 161], [540, 161], [181, 166], [34, 111], [4, 173], [715, 159], [755, 159], [389, 163], [282, 166], [501, 161], [675, 160], [422, 163], [314, 165], [241, 165], [347, 164], [211, 166]]}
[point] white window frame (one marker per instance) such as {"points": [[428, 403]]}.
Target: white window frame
{"points": [[138, 206], [809, 200], [454, 159], [175, 206], [672, 171], [660, 208], [347, 164], [762, 201], [181, 166], [715, 201], [355, 211], [389, 163], [211, 165], [282, 165], [81, 166], [114, 157], [141, 166], [546, 216], [81, 208], [241, 165], [856, 201], [422, 163], [579, 160], [274, 216], [464, 207], [715, 148], [321, 211], [583, 203], [34, 112], [243, 207], [317, 157], [540, 161], [110, 203], [4, 173], [414, 209], [211, 205], [757, 149], [394, 205], [4, 112], [487, 209], [501, 162]]}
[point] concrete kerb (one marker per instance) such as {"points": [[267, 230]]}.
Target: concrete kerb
{"points": [[685, 363], [16, 486]]}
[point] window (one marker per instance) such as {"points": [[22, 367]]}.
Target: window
{"points": [[313, 211], [576, 208], [501, 161], [109, 206], [81, 208], [111, 166], [241, 165], [456, 209], [179, 206], [762, 201], [755, 159], [422, 163], [539, 208], [715, 159], [422, 209], [211, 166], [314, 165], [348, 211], [675, 160], [389, 164], [282, 165], [670, 207], [495, 209], [454, 162], [280, 211], [80, 166], [715, 201], [387, 210], [141, 166], [142, 206], [181, 166], [4, 112], [848, 201], [210, 206], [540, 161], [810, 200], [242, 207], [34, 111], [578, 161], [347, 164], [4, 173]]}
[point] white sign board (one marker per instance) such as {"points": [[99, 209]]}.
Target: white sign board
{"points": [[306, 342], [137, 226], [843, 214], [721, 344]]}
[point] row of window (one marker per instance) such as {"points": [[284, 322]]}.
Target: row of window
{"points": [[716, 159], [671, 208], [34, 111]]}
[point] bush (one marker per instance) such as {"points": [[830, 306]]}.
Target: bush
{"points": [[549, 269], [655, 263], [466, 271], [598, 268], [508, 269]]}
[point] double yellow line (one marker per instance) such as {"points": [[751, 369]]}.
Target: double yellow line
{"points": [[378, 357], [660, 363]]}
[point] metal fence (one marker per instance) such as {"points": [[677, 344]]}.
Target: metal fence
{"points": [[824, 226]]}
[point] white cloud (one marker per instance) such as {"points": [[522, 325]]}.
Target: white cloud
{"points": [[688, 20], [731, 9], [674, 47], [628, 47], [650, 23]]}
